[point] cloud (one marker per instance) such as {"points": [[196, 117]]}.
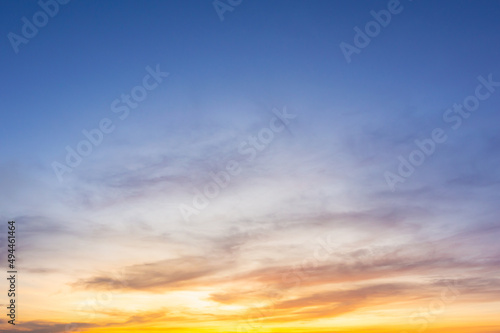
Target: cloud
{"points": [[40, 326], [159, 276]]}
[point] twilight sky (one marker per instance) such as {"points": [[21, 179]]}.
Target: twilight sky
{"points": [[251, 166]]}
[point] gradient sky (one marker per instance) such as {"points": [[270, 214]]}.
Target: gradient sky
{"points": [[306, 235]]}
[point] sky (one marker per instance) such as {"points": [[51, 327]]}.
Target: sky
{"points": [[251, 166]]}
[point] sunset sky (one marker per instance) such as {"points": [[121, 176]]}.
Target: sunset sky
{"points": [[251, 166]]}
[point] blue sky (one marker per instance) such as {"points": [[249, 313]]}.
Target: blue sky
{"points": [[270, 51], [227, 80]]}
